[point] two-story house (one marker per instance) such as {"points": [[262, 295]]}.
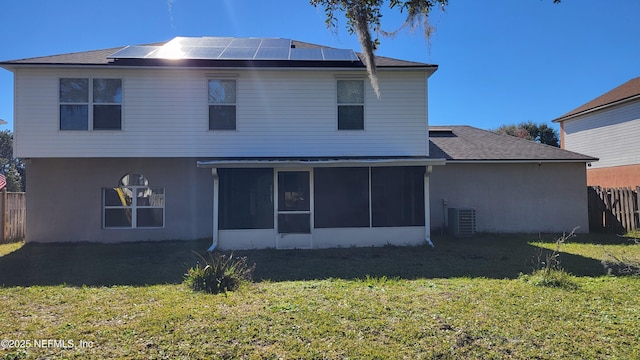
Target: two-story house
{"points": [[607, 127], [256, 142], [266, 143]]}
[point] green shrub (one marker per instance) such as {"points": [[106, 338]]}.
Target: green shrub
{"points": [[557, 278], [549, 272], [221, 273]]}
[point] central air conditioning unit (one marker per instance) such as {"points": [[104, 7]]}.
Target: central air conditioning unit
{"points": [[462, 222]]}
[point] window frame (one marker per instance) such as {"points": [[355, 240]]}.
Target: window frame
{"points": [[90, 104], [233, 104], [134, 207], [350, 104]]}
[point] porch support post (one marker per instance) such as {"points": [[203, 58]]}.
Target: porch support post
{"points": [[216, 197], [427, 207]]}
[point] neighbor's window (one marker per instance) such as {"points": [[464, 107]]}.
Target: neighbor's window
{"points": [[350, 104], [246, 199], [341, 197], [397, 196], [222, 104], [90, 104], [133, 204]]}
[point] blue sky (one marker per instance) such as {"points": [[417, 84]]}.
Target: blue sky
{"points": [[500, 61]]}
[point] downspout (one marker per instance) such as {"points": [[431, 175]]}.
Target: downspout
{"points": [[216, 191], [427, 207]]}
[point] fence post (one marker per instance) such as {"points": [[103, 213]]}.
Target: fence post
{"points": [[637, 212], [4, 210]]}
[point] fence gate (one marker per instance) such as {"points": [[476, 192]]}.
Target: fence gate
{"points": [[12, 216], [614, 209]]}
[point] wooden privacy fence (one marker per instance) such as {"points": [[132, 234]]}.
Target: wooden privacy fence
{"points": [[12, 216], [614, 209]]}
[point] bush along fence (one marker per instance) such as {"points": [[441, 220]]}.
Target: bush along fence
{"points": [[12, 216], [614, 209]]}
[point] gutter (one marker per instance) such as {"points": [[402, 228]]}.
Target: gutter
{"points": [[318, 163], [588, 160], [427, 68], [216, 192], [427, 207]]}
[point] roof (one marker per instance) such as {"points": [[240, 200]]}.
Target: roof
{"points": [[625, 92], [101, 58], [470, 144]]}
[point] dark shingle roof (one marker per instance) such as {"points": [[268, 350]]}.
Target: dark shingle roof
{"points": [[466, 143], [624, 92], [99, 57]]}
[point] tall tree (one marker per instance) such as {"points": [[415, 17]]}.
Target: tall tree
{"points": [[541, 133], [364, 17], [12, 168]]}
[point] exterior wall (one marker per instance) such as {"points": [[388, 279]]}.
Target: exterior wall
{"points": [[610, 135], [65, 205], [513, 198], [615, 176], [279, 113], [323, 238], [64, 202]]}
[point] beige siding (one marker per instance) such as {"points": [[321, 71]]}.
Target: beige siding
{"points": [[284, 113], [611, 135]]}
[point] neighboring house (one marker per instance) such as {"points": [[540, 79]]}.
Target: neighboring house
{"points": [[607, 127], [261, 143], [513, 184], [257, 142]]}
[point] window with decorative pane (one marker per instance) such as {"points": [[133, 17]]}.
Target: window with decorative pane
{"points": [[350, 104], [222, 104], [133, 204]]}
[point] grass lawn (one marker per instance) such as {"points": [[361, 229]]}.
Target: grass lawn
{"points": [[463, 299]]}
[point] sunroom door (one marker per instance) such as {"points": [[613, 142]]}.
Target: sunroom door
{"points": [[293, 209]]}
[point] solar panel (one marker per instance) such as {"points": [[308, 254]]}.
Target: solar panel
{"points": [[276, 43], [184, 41], [306, 54], [272, 54], [339, 55], [133, 52], [245, 43], [226, 48], [204, 53], [214, 42], [238, 53]]}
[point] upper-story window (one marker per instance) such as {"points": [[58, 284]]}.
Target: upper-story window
{"points": [[350, 104], [222, 104], [133, 204], [90, 104]]}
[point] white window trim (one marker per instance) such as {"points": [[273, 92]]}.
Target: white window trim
{"points": [[223, 77], [134, 208], [90, 104], [363, 104]]}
